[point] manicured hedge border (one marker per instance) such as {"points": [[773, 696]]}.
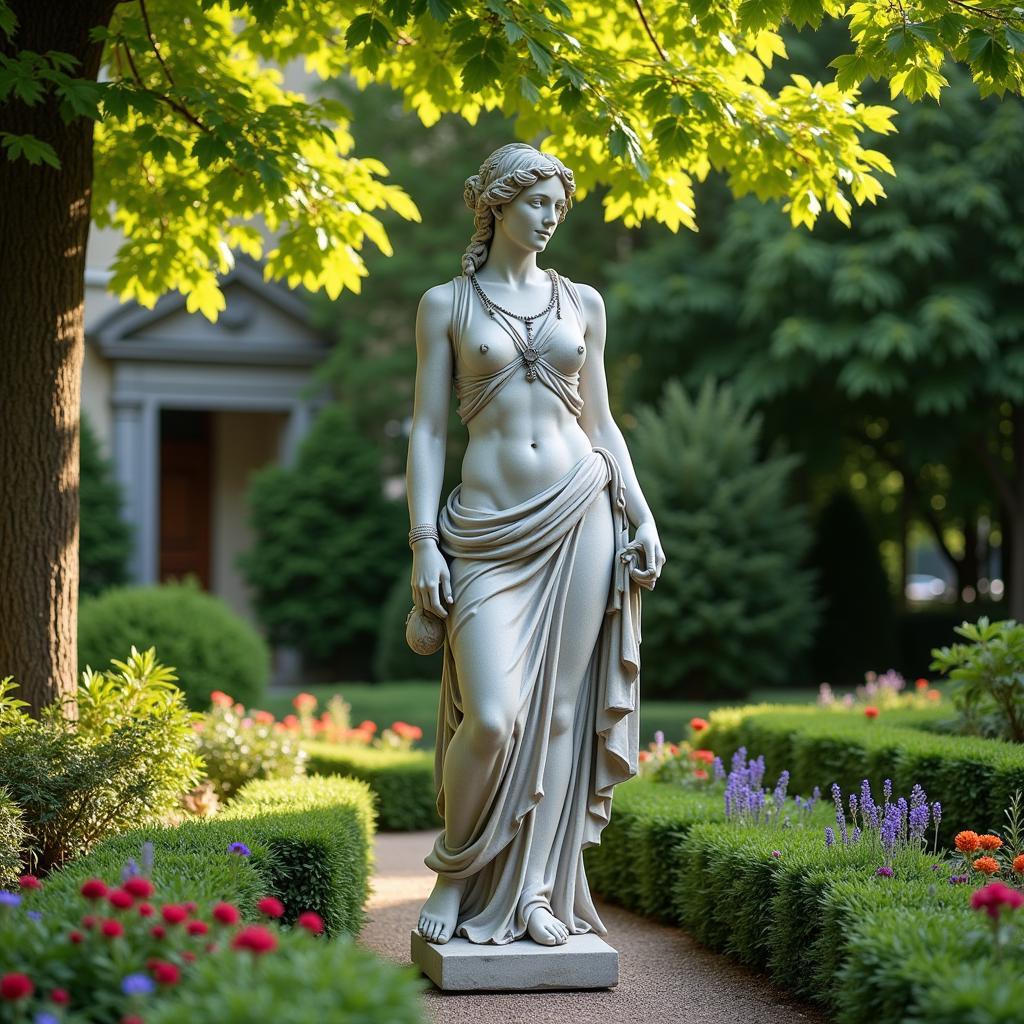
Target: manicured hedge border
{"points": [[403, 781], [872, 950], [310, 841], [974, 779]]}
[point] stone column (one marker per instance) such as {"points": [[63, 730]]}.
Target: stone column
{"points": [[128, 457]]}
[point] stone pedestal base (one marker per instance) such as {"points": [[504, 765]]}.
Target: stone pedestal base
{"points": [[583, 962]]}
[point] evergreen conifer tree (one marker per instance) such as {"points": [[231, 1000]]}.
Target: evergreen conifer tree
{"points": [[733, 608]]}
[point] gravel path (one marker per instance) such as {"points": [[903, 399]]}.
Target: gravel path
{"points": [[664, 975]]}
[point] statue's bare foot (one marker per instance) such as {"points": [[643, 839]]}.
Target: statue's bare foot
{"points": [[441, 911], [546, 929]]}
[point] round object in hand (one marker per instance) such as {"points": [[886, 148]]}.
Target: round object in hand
{"points": [[424, 631]]}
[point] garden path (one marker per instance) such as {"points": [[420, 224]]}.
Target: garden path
{"points": [[663, 973]]}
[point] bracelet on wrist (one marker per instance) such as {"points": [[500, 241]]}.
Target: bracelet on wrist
{"points": [[422, 532]]}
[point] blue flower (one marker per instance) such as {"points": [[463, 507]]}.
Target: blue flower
{"points": [[240, 848], [35, 915], [130, 870], [137, 985], [45, 1018], [9, 899]]}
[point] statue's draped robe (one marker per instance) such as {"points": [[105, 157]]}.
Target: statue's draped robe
{"points": [[523, 557]]}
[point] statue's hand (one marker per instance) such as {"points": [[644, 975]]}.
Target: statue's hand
{"points": [[654, 555], [431, 579]]}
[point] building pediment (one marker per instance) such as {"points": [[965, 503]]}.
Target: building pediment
{"points": [[263, 323]]}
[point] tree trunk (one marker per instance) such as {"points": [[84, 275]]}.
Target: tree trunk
{"points": [[44, 224]]}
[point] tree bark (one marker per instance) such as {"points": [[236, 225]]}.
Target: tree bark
{"points": [[44, 224]]}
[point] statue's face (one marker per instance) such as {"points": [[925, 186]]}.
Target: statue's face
{"points": [[531, 218]]}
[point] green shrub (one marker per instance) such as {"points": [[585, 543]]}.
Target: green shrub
{"points": [[733, 603], [104, 538], [990, 677], [402, 781], [974, 779], [237, 748], [12, 838], [126, 762], [857, 629], [327, 542], [209, 646], [393, 657], [303, 982]]}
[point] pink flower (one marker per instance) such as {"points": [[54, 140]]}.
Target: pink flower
{"points": [[271, 906], [993, 897], [220, 699], [141, 887], [225, 913], [311, 921], [120, 898], [256, 939], [112, 929], [94, 889], [29, 882], [197, 927], [16, 986], [173, 914]]}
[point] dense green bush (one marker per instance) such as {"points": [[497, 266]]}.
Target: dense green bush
{"points": [[304, 982], [857, 629], [732, 604], [125, 762], [328, 544], [104, 538], [393, 657], [974, 779], [196, 633], [402, 781], [12, 838]]}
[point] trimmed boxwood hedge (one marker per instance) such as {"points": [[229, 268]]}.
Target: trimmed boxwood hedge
{"points": [[973, 778], [872, 950], [402, 781], [311, 848]]}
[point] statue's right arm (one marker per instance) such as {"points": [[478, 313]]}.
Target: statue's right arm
{"points": [[424, 473]]}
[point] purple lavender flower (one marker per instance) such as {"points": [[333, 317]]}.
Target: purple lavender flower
{"points": [[936, 813], [779, 796], [957, 879], [816, 794], [890, 829], [240, 848], [855, 835], [130, 870], [830, 836], [34, 915], [918, 797], [853, 807], [918, 822], [147, 858], [884, 871], [718, 769], [886, 791], [776, 853]]}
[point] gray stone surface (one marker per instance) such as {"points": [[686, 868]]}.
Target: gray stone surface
{"points": [[582, 962]]}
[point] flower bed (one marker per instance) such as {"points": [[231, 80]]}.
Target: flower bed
{"points": [[306, 842], [825, 917], [973, 778], [402, 781]]}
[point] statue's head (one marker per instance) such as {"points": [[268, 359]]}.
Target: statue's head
{"points": [[514, 174]]}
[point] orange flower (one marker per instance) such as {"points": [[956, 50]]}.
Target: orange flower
{"points": [[221, 699], [673, 749], [290, 722], [367, 726], [1018, 864], [645, 755], [871, 712], [263, 717], [699, 773], [921, 684], [967, 842], [707, 756], [304, 702], [987, 865], [698, 724], [989, 842], [933, 695]]}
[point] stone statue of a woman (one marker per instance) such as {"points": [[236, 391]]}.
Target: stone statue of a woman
{"points": [[531, 567]]}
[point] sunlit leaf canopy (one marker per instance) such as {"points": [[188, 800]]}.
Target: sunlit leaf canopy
{"points": [[197, 135]]}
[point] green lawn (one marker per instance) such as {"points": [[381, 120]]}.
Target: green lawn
{"points": [[416, 703]]}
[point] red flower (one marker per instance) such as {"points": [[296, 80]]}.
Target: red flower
{"points": [[698, 724], [30, 882], [94, 889], [61, 996], [871, 712], [112, 929], [311, 921], [120, 898], [922, 684], [132, 1018], [165, 973], [703, 755], [89, 921], [188, 956], [145, 910], [225, 913], [158, 931], [197, 927], [256, 939], [271, 906], [211, 947], [16, 986], [699, 773], [645, 755], [76, 937], [993, 897], [141, 887], [190, 906], [173, 913]]}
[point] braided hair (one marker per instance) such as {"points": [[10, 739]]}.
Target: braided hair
{"points": [[502, 176]]}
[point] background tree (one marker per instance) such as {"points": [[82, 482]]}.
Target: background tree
{"points": [[193, 137], [734, 603]]}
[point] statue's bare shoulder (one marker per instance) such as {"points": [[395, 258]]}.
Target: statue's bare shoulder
{"points": [[434, 313], [593, 309]]}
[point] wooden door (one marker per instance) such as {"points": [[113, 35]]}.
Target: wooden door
{"points": [[186, 465]]}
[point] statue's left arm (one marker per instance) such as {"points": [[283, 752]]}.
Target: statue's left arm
{"points": [[597, 421]]}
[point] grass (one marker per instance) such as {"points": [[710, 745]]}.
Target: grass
{"points": [[416, 703]]}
